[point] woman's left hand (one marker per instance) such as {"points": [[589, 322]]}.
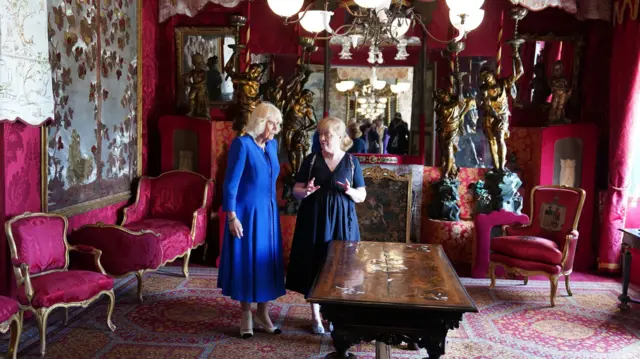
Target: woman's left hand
{"points": [[346, 186]]}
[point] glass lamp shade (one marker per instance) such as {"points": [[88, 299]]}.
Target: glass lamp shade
{"points": [[343, 86], [285, 8], [467, 22], [379, 85], [316, 20], [362, 100], [461, 6], [368, 3], [400, 26], [382, 100]]}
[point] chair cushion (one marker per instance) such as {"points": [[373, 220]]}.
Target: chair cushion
{"points": [[8, 307], [536, 249], [525, 264], [65, 287], [40, 242], [174, 236]]}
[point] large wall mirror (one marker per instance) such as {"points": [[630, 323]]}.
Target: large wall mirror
{"points": [[551, 76]]}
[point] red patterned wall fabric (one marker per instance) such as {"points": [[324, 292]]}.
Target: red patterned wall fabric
{"points": [[92, 145]]}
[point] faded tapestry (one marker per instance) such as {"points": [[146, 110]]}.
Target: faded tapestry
{"points": [[92, 148]]}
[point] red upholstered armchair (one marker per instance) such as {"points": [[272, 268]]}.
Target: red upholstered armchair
{"points": [[547, 245], [11, 319], [40, 257], [175, 205]]}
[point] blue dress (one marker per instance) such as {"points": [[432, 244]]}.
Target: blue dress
{"points": [[325, 215], [251, 267]]}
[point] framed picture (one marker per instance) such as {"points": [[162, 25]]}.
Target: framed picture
{"points": [[385, 216], [205, 49], [316, 84], [92, 150]]}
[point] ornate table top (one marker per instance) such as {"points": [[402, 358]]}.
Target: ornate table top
{"points": [[631, 237], [390, 274]]}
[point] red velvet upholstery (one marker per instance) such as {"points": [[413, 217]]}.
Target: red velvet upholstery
{"points": [[547, 245], [8, 307], [41, 252], [535, 249], [173, 236], [122, 251], [40, 257], [178, 199], [65, 287], [525, 264]]}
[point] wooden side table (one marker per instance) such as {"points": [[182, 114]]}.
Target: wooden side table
{"points": [[630, 240]]}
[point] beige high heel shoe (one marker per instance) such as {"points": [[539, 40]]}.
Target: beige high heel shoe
{"points": [[271, 330], [247, 317]]}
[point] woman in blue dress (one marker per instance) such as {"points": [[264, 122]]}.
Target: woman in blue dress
{"points": [[329, 184], [251, 264]]}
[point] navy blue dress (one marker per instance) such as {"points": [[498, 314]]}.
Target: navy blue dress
{"points": [[251, 267], [358, 146], [325, 215]]}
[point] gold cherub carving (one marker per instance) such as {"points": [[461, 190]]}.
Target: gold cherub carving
{"points": [[493, 93], [248, 91], [299, 119], [196, 81]]}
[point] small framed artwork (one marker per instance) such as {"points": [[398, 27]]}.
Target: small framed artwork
{"points": [[201, 54], [385, 216]]}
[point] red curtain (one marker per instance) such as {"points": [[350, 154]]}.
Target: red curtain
{"points": [[624, 114]]}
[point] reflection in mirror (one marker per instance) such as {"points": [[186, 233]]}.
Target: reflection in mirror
{"points": [[473, 147], [551, 77], [202, 53], [379, 101]]}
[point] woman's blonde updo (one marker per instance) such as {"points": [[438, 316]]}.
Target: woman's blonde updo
{"points": [[338, 127]]}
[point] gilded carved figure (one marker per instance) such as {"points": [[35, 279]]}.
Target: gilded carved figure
{"points": [[450, 112], [298, 121], [495, 102], [248, 94], [273, 93], [196, 80], [560, 92]]}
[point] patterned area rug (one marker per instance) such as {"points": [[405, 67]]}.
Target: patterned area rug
{"points": [[183, 318]]}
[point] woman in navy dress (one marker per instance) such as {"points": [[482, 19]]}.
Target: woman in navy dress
{"points": [[329, 184], [251, 264]]}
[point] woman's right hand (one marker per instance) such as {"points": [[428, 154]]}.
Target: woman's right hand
{"points": [[311, 187], [235, 227]]}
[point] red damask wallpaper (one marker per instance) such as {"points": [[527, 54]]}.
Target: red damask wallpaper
{"points": [[92, 145]]}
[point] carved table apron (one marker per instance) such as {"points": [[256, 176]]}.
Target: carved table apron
{"points": [[390, 293]]}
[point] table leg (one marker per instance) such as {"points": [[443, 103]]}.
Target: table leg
{"points": [[342, 341], [435, 346], [383, 351], [626, 275]]}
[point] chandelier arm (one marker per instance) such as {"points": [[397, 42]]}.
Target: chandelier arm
{"points": [[419, 20], [350, 26]]}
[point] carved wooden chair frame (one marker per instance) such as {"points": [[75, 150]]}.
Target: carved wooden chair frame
{"points": [[23, 279], [573, 235]]}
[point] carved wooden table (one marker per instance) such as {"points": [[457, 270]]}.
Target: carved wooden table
{"points": [[631, 239], [390, 293]]}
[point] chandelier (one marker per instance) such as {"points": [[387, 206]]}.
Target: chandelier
{"points": [[374, 23]]}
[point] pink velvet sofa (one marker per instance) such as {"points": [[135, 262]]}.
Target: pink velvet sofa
{"points": [[168, 219]]}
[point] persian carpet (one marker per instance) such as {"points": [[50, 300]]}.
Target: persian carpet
{"points": [[189, 318]]}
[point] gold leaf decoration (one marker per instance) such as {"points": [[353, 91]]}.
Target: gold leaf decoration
{"points": [[70, 40], [86, 31]]}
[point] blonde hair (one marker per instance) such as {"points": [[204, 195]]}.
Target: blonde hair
{"points": [[258, 120], [353, 130], [336, 126]]}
